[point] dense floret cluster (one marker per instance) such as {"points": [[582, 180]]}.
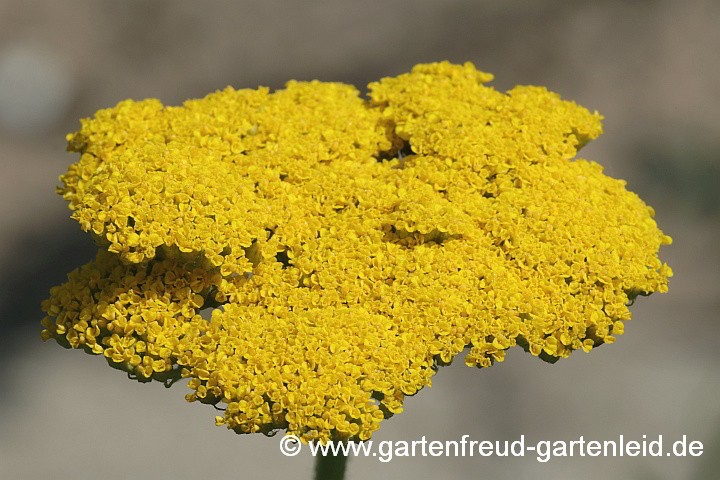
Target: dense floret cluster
{"points": [[348, 247]]}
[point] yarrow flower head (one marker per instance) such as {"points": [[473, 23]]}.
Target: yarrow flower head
{"points": [[348, 247]]}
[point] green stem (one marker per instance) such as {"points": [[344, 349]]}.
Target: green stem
{"points": [[330, 466]]}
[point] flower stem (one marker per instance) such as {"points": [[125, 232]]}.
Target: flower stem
{"points": [[330, 466]]}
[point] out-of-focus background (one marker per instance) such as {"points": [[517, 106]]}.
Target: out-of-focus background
{"points": [[651, 67]]}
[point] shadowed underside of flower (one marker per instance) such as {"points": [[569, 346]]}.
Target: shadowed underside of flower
{"points": [[348, 247]]}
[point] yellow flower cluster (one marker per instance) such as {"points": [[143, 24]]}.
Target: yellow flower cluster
{"points": [[348, 247]]}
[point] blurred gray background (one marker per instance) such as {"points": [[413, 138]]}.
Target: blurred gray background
{"points": [[651, 67]]}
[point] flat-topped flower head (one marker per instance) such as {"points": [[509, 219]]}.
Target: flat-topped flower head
{"points": [[348, 247]]}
